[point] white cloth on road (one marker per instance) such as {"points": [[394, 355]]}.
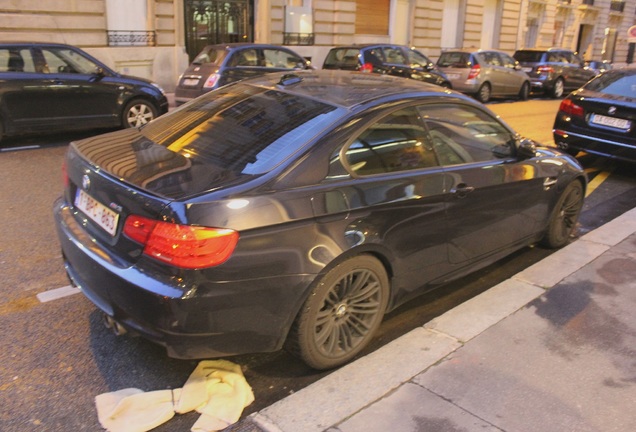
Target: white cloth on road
{"points": [[216, 389]]}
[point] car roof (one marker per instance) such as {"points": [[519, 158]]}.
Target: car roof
{"points": [[236, 45], [350, 89], [33, 44]]}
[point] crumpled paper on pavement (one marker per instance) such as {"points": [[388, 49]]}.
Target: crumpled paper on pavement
{"points": [[216, 389]]}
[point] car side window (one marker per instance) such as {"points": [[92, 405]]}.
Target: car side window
{"points": [[62, 60], [16, 60], [491, 58], [397, 142], [462, 134], [245, 58], [418, 59], [281, 59], [508, 61], [394, 55]]}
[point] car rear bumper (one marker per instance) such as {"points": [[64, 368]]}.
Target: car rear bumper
{"points": [[190, 319], [586, 142]]}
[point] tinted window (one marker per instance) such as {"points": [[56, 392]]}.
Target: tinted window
{"points": [[462, 134], [528, 56], [16, 60], [454, 59], [342, 57], [62, 60], [210, 55], [267, 127], [416, 58], [614, 84], [394, 55], [246, 57], [396, 143]]}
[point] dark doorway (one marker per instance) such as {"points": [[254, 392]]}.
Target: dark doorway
{"points": [[214, 21]]}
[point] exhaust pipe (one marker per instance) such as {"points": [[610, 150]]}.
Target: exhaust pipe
{"points": [[116, 327]]}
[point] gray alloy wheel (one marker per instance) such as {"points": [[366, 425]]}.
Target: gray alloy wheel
{"points": [[558, 89], [564, 216], [137, 113], [524, 92], [483, 94], [341, 314]]}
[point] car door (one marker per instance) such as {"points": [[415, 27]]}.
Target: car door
{"points": [[578, 74], [514, 75], [495, 72], [494, 200], [75, 90]]}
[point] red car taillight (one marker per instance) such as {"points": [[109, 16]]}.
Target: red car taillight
{"points": [[570, 108], [211, 81], [366, 67], [65, 180], [184, 246], [474, 71], [545, 69]]}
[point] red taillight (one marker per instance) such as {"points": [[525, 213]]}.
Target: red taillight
{"points": [[211, 81], [545, 69], [65, 180], [570, 108], [184, 246], [474, 71], [366, 67]]}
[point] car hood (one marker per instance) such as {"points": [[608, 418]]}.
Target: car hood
{"points": [[133, 158]]}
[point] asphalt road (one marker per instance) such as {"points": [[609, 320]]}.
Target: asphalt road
{"points": [[57, 356]]}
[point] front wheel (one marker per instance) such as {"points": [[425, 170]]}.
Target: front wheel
{"points": [[137, 113], [341, 314], [524, 92], [564, 216]]}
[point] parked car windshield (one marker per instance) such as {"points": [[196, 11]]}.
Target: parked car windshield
{"points": [[614, 84], [267, 127], [209, 55], [454, 59]]}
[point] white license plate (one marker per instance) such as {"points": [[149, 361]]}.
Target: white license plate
{"points": [[611, 122], [191, 82], [452, 76], [97, 212]]}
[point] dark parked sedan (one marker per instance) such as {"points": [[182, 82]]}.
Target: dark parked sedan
{"points": [[217, 65], [600, 117], [53, 87], [296, 210]]}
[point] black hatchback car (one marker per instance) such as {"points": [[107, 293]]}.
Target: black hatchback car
{"points": [[553, 71], [394, 60], [217, 65], [296, 210], [50, 87], [600, 117]]}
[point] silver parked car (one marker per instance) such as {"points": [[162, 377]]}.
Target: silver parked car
{"points": [[484, 74]]}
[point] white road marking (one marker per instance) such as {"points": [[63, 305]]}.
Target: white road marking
{"points": [[29, 147], [57, 293]]}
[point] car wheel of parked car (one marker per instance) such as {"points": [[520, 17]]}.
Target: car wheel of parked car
{"points": [[557, 90], [138, 112], [564, 216], [483, 94], [341, 314], [524, 92]]}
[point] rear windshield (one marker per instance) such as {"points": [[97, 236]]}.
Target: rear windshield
{"points": [[241, 129], [342, 57], [454, 60], [210, 55], [528, 56], [614, 84]]}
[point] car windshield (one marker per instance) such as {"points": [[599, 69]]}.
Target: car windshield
{"points": [[528, 56], [209, 55], [614, 84], [242, 129]]}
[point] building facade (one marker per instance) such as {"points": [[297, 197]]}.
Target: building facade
{"points": [[157, 38]]}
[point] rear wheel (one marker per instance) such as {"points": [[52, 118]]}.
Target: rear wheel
{"points": [[483, 94], [564, 216], [341, 314], [138, 112], [557, 90]]}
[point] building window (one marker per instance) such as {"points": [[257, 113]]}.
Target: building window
{"points": [[126, 23], [299, 25], [372, 17], [533, 32]]}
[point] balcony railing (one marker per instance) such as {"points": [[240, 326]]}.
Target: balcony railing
{"points": [[617, 6], [131, 38], [298, 38]]}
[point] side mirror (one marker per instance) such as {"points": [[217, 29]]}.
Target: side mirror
{"points": [[99, 71], [526, 149]]}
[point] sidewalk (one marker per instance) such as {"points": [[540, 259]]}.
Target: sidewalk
{"points": [[551, 349]]}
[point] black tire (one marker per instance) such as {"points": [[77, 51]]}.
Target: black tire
{"points": [[341, 314], [483, 94], [558, 89], [524, 92], [137, 113], [564, 217]]}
